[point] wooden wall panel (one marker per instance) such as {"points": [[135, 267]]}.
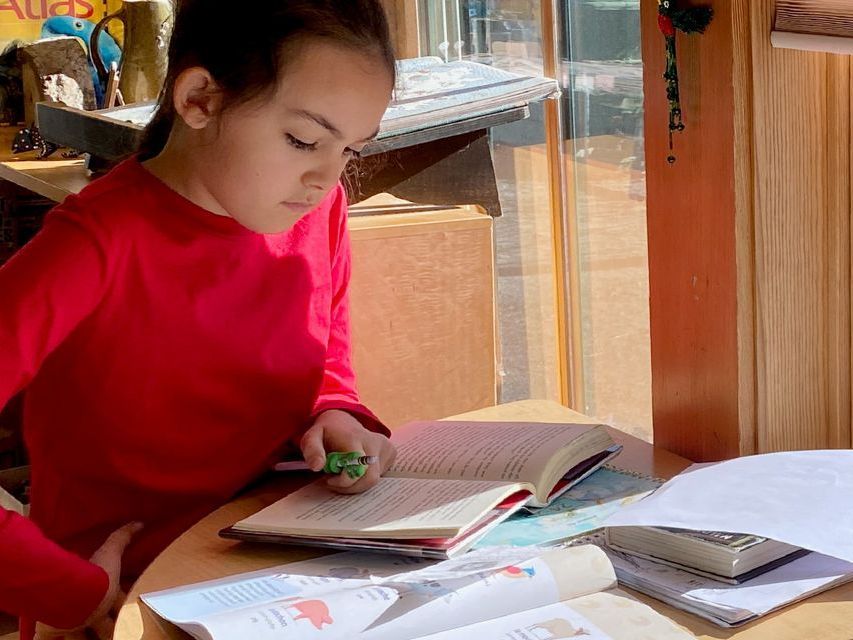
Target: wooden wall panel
{"points": [[750, 288], [691, 244], [744, 169], [801, 131]]}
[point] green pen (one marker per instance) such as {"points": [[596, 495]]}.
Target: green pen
{"points": [[354, 463]]}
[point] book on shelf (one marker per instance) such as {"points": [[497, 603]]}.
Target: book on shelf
{"points": [[728, 557], [450, 483], [494, 593]]}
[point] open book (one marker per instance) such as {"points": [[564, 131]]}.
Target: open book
{"points": [[430, 92], [497, 593], [448, 478]]}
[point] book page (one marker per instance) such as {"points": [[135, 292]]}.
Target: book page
{"points": [[622, 617], [194, 602], [508, 451], [431, 603], [394, 508], [339, 615], [376, 597], [551, 622]]}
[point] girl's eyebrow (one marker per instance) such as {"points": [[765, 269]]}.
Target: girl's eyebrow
{"points": [[328, 126]]}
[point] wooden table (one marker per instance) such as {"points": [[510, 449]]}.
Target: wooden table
{"points": [[201, 555]]}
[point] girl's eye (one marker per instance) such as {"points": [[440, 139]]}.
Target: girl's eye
{"points": [[299, 144], [352, 153]]}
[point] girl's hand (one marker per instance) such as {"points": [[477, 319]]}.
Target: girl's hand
{"points": [[336, 430], [102, 620]]}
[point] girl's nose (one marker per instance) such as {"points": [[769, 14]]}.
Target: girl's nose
{"points": [[323, 177]]}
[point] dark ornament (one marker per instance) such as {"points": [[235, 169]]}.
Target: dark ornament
{"points": [[670, 20]]}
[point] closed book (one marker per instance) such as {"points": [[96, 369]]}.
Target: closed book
{"points": [[723, 555]]}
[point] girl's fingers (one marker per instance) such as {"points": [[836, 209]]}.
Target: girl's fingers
{"points": [[376, 446], [108, 555], [312, 447]]}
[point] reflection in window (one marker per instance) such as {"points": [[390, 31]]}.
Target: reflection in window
{"points": [[600, 71]]}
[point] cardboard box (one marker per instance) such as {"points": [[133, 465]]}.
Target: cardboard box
{"points": [[12, 483], [423, 311]]}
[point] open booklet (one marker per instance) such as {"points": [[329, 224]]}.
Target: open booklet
{"points": [[430, 91], [447, 479], [507, 594]]}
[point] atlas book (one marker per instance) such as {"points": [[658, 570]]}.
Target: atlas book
{"points": [[519, 594], [450, 484], [579, 511]]}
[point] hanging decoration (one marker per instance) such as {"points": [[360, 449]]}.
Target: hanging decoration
{"points": [[670, 20]]}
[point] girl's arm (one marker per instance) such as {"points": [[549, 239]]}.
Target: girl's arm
{"points": [[46, 289], [338, 390], [42, 581]]}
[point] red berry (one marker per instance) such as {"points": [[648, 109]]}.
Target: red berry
{"points": [[666, 26]]}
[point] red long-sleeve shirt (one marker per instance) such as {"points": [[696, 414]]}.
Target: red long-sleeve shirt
{"points": [[168, 353]]}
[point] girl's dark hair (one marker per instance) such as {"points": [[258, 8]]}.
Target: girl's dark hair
{"points": [[246, 50]]}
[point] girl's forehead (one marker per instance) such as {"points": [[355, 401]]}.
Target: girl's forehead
{"points": [[322, 66], [350, 94]]}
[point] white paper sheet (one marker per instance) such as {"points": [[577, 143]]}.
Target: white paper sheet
{"points": [[804, 498]]}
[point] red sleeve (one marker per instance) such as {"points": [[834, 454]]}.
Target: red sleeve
{"points": [[46, 289], [338, 390], [42, 581]]}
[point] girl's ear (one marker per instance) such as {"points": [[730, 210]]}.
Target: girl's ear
{"points": [[197, 97]]}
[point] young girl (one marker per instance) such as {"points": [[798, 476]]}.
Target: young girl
{"points": [[182, 319]]}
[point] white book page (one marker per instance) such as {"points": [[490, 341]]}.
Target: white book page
{"points": [[395, 507], [622, 617], [759, 495], [339, 615], [432, 600], [194, 602], [544, 623], [319, 576], [509, 451], [428, 596]]}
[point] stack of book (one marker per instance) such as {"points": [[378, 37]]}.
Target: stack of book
{"points": [[728, 557], [670, 546]]}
